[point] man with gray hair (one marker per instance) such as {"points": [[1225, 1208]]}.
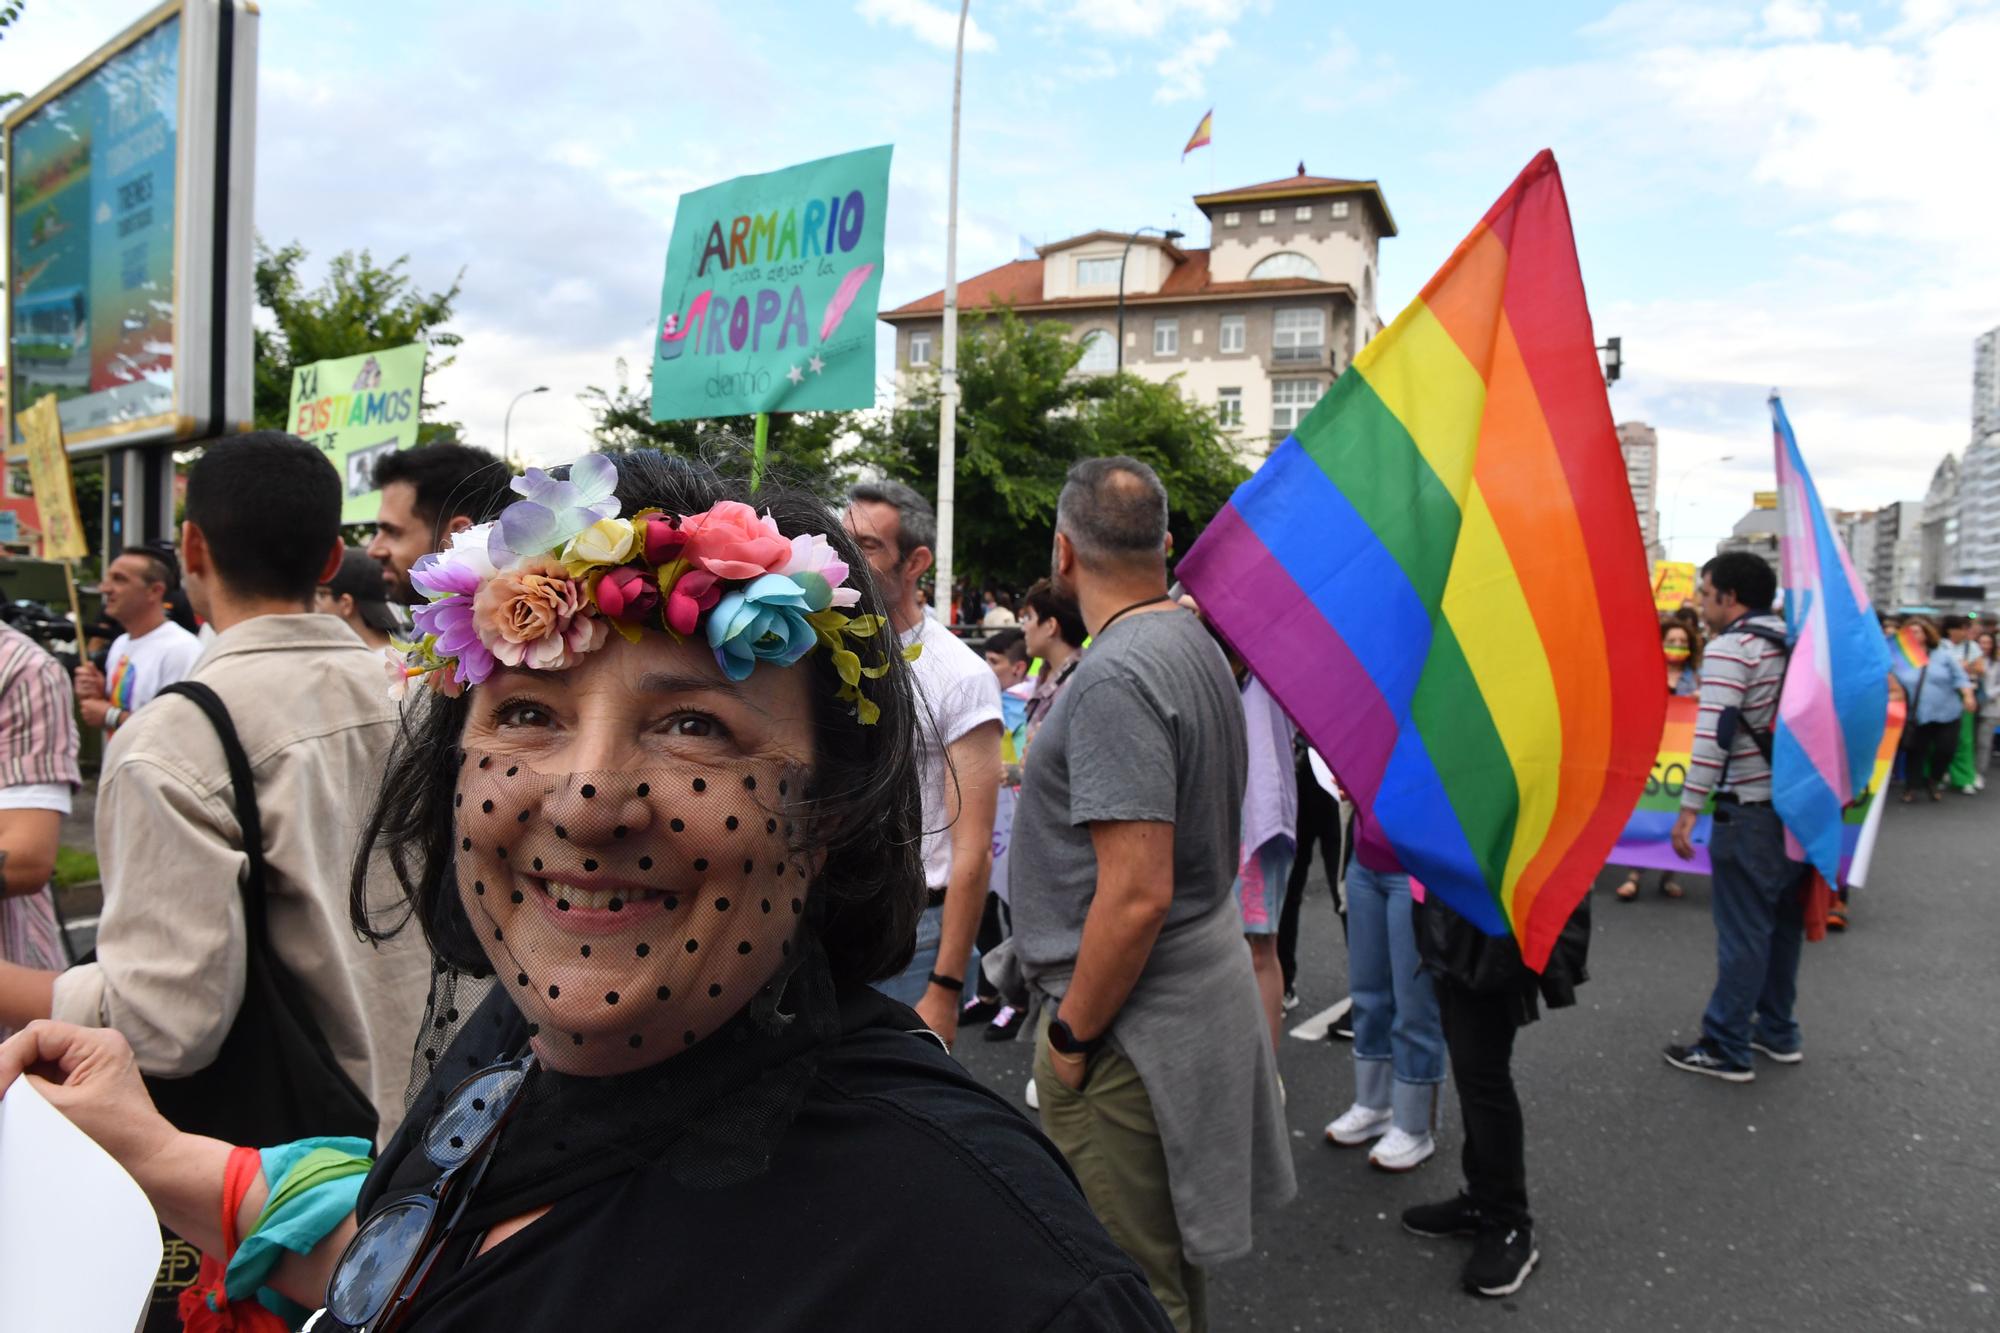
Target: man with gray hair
{"points": [[958, 740], [1154, 1070]]}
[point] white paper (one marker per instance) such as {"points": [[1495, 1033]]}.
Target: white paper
{"points": [[79, 1244]]}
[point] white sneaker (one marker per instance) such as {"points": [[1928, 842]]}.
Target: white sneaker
{"points": [[1358, 1125], [1291, 1001], [1034, 1098], [1400, 1150]]}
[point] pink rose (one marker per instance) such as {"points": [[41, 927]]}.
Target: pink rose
{"points": [[663, 541], [694, 592], [535, 615], [627, 593], [731, 541]]}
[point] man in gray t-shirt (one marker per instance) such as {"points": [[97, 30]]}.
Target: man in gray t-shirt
{"points": [[1154, 1071], [1148, 729]]}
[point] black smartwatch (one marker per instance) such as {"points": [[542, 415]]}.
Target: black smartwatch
{"points": [[1063, 1040]]}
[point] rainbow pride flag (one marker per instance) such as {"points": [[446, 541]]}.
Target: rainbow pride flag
{"points": [[1441, 578], [1910, 646]]}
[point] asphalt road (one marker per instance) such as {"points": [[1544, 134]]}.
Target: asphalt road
{"points": [[1858, 1190]]}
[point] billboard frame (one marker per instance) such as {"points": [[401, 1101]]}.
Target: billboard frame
{"points": [[214, 165]]}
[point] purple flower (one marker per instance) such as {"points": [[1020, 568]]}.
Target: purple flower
{"points": [[553, 511], [450, 618]]}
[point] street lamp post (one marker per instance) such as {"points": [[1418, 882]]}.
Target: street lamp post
{"points": [[1682, 481], [1169, 236], [507, 423], [947, 485]]}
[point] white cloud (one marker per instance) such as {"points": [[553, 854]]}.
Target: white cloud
{"points": [[1183, 75], [1787, 20], [931, 24], [1831, 164], [1150, 18], [1662, 22]]}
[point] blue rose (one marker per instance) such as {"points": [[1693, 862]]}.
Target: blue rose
{"points": [[765, 619]]}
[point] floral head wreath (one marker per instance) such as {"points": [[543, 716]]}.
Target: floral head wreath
{"points": [[560, 569]]}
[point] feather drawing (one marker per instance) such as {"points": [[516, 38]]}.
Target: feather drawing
{"points": [[836, 309]]}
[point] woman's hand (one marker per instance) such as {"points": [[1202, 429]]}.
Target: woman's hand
{"points": [[89, 1075]]}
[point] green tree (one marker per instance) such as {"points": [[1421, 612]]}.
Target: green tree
{"points": [[800, 448], [359, 306], [1025, 416]]}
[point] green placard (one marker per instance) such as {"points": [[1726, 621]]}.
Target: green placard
{"points": [[356, 409], [769, 298]]}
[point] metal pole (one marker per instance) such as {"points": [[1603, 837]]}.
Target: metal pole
{"points": [[1121, 296], [947, 486], [507, 424]]}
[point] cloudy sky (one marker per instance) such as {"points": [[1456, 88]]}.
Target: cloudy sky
{"points": [[1798, 194]]}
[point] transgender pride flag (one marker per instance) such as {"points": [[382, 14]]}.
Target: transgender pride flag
{"points": [[1836, 696]]}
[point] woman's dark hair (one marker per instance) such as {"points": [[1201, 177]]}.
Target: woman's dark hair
{"points": [[1694, 640], [1048, 604], [864, 817]]}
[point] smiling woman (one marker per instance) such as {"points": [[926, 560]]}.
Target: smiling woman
{"points": [[656, 867]]}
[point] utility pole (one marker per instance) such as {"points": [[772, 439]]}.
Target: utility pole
{"points": [[947, 486]]}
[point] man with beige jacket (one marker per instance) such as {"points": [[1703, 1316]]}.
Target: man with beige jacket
{"points": [[311, 706]]}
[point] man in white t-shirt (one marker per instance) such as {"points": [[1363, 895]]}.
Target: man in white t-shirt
{"points": [[959, 741], [152, 653]]}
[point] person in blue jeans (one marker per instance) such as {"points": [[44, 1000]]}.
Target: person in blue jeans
{"points": [[1399, 1050], [1755, 888]]}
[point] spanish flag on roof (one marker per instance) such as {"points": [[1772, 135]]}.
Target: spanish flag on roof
{"points": [[1201, 134]]}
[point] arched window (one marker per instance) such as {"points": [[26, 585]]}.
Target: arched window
{"points": [[1100, 353], [1286, 264]]}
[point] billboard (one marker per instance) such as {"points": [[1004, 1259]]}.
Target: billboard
{"points": [[769, 299], [127, 208], [355, 409]]}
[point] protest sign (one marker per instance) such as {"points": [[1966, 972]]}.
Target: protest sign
{"points": [[769, 299], [1673, 584], [1646, 844], [355, 409], [48, 473]]}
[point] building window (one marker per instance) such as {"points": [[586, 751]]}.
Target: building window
{"points": [[1100, 353], [1303, 213], [1229, 407], [1285, 264], [1232, 334], [1231, 219], [1298, 334], [1267, 215], [1166, 337], [1097, 272], [1290, 401], [1340, 208], [920, 349]]}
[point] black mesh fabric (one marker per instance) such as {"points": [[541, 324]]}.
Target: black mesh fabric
{"points": [[651, 935]]}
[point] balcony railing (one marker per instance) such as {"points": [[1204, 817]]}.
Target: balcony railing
{"points": [[1308, 355]]}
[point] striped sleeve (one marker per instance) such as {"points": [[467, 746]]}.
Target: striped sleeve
{"points": [[38, 734], [1724, 676]]}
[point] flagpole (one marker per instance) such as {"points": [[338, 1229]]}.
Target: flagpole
{"points": [[947, 486]]}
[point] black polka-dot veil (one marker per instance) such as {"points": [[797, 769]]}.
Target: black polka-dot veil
{"points": [[650, 932]]}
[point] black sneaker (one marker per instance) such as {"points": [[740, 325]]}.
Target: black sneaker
{"points": [[1456, 1216], [1342, 1028], [1502, 1258], [1701, 1058], [1006, 1024], [978, 1009]]}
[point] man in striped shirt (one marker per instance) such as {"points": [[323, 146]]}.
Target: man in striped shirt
{"points": [[1759, 914]]}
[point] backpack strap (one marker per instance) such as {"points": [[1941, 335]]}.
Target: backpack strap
{"points": [[1731, 718], [245, 787]]}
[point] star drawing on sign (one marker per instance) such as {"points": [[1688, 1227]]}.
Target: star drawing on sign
{"points": [[817, 365], [795, 375]]}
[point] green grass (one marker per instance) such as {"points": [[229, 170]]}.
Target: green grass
{"points": [[74, 866]]}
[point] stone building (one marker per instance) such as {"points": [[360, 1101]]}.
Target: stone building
{"points": [[1256, 326]]}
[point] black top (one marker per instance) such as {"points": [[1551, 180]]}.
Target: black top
{"points": [[903, 1196]]}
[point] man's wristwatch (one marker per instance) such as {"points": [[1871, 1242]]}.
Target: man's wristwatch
{"points": [[1066, 1042]]}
